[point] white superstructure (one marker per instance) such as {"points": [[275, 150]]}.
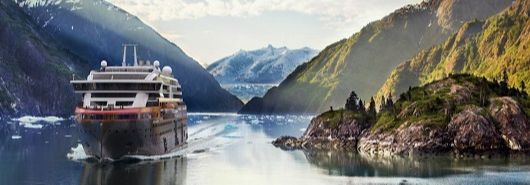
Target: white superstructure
{"points": [[143, 84]]}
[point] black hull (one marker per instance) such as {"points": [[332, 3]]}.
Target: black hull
{"points": [[117, 138]]}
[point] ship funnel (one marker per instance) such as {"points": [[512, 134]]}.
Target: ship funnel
{"points": [[124, 61]]}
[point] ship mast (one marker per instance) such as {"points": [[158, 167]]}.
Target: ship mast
{"points": [[124, 61]]}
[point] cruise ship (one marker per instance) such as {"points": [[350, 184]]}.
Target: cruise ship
{"points": [[132, 109]]}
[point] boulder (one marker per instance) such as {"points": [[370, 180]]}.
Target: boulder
{"points": [[472, 131], [513, 123]]}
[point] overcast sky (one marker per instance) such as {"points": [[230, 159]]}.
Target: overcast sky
{"points": [[211, 29]]}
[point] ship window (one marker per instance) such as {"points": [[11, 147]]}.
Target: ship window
{"points": [[177, 96], [124, 103], [98, 103], [116, 86], [113, 95], [153, 96]]}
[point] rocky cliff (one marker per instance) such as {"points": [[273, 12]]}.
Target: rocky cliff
{"points": [[34, 69], [461, 114], [364, 61]]}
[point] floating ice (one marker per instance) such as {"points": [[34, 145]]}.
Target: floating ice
{"points": [[77, 153], [16, 137], [29, 121], [33, 119], [30, 125]]}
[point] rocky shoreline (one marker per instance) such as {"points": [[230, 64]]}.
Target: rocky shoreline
{"points": [[501, 127]]}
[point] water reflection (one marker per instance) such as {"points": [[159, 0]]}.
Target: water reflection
{"points": [[235, 149], [166, 172], [347, 163]]}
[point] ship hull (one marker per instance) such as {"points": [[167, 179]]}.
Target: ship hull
{"points": [[105, 135]]}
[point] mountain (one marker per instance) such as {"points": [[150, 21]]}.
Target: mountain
{"points": [[267, 65], [494, 48], [34, 69], [364, 61], [249, 74], [95, 30]]}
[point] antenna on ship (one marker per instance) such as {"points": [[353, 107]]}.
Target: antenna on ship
{"points": [[124, 62]]}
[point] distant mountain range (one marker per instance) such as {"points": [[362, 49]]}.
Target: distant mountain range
{"points": [[268, 65], [365, 60], [492, 48], [249, 74], [75, 36]]}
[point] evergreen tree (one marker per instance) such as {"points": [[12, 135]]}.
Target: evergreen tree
{"points": [[371, 108], [361, 107], [389, 102], [382, 105], [409, 95], [505, 76], [352, 102]]}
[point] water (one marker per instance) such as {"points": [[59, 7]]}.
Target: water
{"points": [[231, 149]]}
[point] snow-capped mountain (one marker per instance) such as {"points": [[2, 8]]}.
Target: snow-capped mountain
{"points": [[268, 65]]}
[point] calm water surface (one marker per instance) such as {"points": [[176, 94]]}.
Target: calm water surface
{"points": [[232, 149]]}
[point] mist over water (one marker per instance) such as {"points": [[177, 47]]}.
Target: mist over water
{"points": [[231, 149]]}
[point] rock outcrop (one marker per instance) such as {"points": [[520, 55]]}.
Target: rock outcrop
{"points": [[474, 132], [514, 125], [462, 114], [406, 140], [331, 130]]}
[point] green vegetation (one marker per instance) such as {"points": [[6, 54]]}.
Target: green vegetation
{"points": [[335, 117], [433, 104], [497, 49]]}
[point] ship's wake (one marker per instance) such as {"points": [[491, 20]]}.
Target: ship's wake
{"points": [[203, 137]]}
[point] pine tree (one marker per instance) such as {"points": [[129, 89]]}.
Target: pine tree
{"points": [[505, 76], [352, 102], [389, 105], [361, 107], [382, 105], [389, 101], [371, 108]]}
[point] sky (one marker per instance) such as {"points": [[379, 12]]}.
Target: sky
{"points": [[209, 30]]}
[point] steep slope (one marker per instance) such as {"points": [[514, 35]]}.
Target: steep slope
{"points": [[484, 48], [96, 29], [363, 61], [34, 70], [265, 65]]}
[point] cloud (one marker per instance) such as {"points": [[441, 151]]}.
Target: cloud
{"points": [[330, 11]]}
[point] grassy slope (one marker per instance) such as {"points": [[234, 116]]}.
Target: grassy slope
{"points": [[483, 48], [427, 104]]}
